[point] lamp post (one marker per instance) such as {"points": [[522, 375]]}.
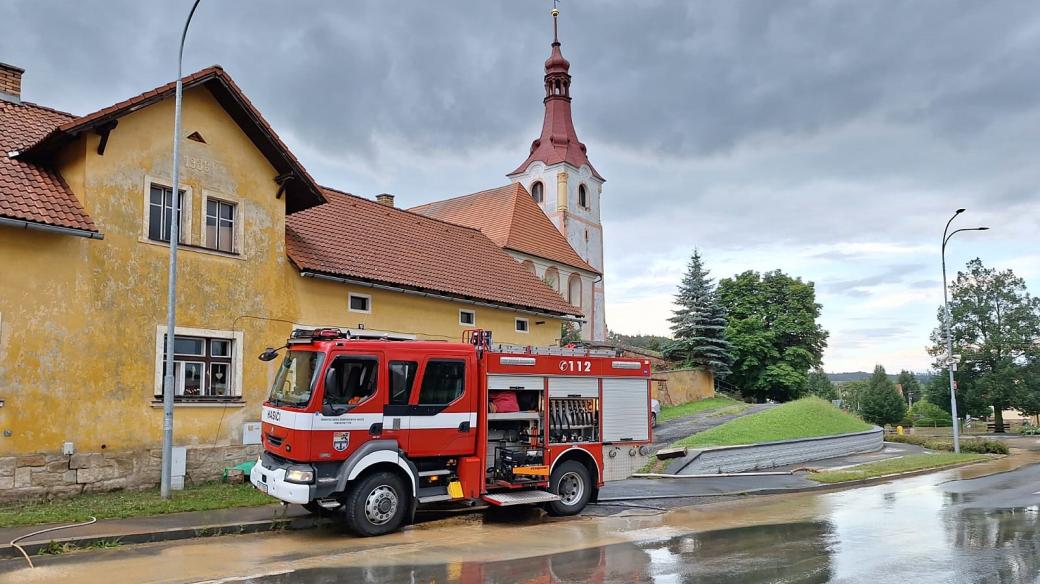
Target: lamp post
{"points": [[949, 333], [171, 292]]}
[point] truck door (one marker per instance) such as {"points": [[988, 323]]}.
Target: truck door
{"points": [[397, 414], [352, 395], [443, 407]]}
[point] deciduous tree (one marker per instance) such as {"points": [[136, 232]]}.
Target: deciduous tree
{"points": [[911, 387], [821, 386], [995, 326], [772, 326]]}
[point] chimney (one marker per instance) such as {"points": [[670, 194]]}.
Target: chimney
{"points": [[385, 199], [11, 83]]}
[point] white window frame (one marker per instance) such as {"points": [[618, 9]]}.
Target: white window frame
{"points": [[527, 325], [473, 312], [236, 338], [186, 211], [236, 244], [368, 300]]}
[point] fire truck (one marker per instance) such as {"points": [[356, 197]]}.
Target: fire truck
{"points": [[367, 430]]}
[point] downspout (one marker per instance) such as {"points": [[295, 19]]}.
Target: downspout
{"points": [[20, 224]]}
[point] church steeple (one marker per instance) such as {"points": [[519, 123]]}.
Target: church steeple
{"points": [[558, 141]]}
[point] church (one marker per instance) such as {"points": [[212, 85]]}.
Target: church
{"points": [[548, 217]]}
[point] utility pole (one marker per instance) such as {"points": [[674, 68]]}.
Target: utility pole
{"points": [[171, 293]]}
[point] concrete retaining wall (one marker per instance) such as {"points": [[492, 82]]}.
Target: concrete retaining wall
{"points": [[774, 454]]}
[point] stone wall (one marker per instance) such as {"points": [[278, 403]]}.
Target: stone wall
{"points": [[681, 386], [36, 476]]}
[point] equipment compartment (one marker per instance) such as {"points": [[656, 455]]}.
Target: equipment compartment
{"points": [[573, 420]]}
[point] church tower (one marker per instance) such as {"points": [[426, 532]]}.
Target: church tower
{"points": [[564, 183]]}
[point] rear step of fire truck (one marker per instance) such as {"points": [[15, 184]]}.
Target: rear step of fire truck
{"points": [[520, 498]]}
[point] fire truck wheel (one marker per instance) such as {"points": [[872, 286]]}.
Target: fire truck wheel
{"points": [[377, 504], [570, 480]]}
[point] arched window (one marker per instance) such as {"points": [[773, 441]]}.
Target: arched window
{"points": [[529, 266], [583, 200], [537, 191], [552, 278], [574, 290]]}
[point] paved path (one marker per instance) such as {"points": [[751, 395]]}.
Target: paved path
{"points": [[667, 432]]}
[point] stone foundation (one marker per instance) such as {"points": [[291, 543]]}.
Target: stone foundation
{"points": [[36, 476]]}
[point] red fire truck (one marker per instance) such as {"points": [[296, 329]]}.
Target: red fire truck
{"points": [[369, 429]]}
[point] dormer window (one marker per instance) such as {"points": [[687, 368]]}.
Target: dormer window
{"points": [[583, 201], [537, 191]]}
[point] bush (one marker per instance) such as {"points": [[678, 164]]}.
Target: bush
{"points": [[1029, 430], [976, 445], [925, 413]]}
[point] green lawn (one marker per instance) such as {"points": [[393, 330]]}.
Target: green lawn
{"points": [[122, 504], [802, 418], [702, 405], [907, 463]]}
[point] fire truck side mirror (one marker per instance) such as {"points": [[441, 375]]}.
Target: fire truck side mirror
{"points": [[269, 354]]}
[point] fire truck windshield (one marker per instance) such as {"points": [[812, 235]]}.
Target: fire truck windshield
{"points": [[294, 384]]}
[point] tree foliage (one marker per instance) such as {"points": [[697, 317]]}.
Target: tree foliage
{"points": [[911, 386], [995, 326], [820, 385], [652, 342], [925, 413], [772, 326], [881, 403], [699, 323]]}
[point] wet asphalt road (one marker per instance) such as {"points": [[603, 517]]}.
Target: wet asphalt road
{"points": [[945, 527]]}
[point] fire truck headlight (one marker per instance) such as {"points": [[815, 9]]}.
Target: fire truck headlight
{"points": [[299, 475]]}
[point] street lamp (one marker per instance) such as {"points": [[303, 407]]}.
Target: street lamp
{"points": [[948, 322], [171, 292]]}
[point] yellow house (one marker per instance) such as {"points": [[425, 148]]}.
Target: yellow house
{"points": [[84, 253]]}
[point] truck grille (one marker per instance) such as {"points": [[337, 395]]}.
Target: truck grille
{"points": [[274, 440]]}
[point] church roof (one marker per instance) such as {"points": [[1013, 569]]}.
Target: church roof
{"points": [[558, 141], [509, 217]]}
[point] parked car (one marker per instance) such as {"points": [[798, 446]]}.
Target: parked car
{"points": [[655, 410]]}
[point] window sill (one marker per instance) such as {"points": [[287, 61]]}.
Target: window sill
{"points": [[194, 248], [198, 403]]}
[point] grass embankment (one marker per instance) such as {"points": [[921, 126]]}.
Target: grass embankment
{"points": [[123, 504], [802, 418], [895, 465], [702, 405]]}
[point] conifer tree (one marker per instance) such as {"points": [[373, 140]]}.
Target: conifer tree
{"points": [[882, 403], [699, 323]]}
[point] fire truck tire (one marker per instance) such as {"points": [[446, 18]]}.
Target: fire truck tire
{"points": [[377, 504], [571, 481]]}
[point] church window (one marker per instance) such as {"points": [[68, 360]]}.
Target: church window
{"points": [[582, 197], [537, 191]]}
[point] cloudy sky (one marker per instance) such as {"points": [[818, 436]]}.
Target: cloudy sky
{"points": [[829, 139]]}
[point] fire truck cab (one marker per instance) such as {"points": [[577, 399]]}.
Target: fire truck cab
{"points": [[367, 430]]}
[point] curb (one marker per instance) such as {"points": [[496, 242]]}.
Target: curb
{"points": [[33, 548]]}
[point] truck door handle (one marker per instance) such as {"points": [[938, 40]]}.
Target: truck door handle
{"points": [[464, 427], [376, 429]]}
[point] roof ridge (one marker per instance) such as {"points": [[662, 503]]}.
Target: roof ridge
{"points": [[409, 212], [438, 202], [47, 108]]}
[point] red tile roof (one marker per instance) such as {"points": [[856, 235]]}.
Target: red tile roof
{"points": [[30, 191], [356, 238], [510, 218]]}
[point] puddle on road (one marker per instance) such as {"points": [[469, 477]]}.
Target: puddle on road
{"points": [[915, 528]]}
